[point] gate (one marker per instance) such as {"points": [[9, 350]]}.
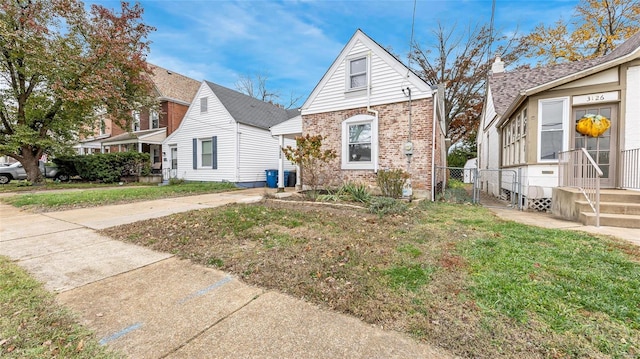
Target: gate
{"points": [[488, 187]]}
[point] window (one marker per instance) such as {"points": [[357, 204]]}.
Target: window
{"points": [[359, 142], [514, 139], [551, 119], [357, 73], [174, 158], [203, 105], [135, 126], [103, 127], [206, 154], [154, 119]]}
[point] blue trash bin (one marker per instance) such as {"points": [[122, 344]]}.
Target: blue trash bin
{"points": [[286, 178], [272, 178]]}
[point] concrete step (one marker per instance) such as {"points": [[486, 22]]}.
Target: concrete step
{"points": [[611, 207], [611, 220], [623, 196]]}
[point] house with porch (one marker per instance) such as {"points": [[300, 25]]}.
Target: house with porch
{"points": [[530, 125], [376, 114], [148, 127], [225, 137]]}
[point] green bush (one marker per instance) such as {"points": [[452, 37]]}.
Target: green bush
{"points": [[391, 182], [387, 205], [106, 167]]}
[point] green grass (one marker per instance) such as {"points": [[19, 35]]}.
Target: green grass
{"points": [[97, 197], [20, 186], [452, 275], [33, 326]]}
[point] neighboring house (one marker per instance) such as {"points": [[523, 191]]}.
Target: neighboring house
{"points": [[377, 115], [149, 128], [530, 115], [225, 137]]}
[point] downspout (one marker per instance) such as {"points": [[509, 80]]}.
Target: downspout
{"points": [[436, 107], [237, 159], [375, 112]]}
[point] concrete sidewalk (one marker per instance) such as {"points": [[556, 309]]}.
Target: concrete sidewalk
{"points": [[151, 305]]}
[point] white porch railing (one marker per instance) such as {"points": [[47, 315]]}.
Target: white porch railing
{"points": [[630, 168], [577, 169]]}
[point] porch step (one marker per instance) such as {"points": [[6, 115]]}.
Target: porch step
{"points": [[621, 196], [611, 207], [611, 220]]}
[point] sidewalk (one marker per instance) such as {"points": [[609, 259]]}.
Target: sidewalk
{"points": [[148, 304], [546, 220]]}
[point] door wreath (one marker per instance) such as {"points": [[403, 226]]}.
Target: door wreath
{"points": [[593, 125]]}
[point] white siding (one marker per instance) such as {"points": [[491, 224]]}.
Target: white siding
{"points": [[631, 132], [258, 151], [215, 122], [387, 81], [290, 127]]}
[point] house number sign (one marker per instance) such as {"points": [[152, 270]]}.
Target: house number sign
{"points": [[595, 98]]}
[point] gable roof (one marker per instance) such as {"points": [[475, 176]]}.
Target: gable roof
{"points": [[248, 110], [383, 53], [508, 89], [173, 86]]}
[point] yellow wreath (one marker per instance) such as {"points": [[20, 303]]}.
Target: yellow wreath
{"points": [[593, 125]]}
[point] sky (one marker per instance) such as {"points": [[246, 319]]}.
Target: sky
{"points": [[294, 42]]}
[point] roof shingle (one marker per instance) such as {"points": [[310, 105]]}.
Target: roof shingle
{"points": [[505, 87], [250, 111], [173, 85]]}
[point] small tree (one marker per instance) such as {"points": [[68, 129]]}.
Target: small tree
{"points": [[309, 155]]}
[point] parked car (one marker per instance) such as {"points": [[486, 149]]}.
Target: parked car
{"points": [[16, 172]]}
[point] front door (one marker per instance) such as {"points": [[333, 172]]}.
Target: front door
{"points": [[603, 148]]}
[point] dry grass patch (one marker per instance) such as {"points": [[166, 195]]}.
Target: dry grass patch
{"points": [[451, 275]]}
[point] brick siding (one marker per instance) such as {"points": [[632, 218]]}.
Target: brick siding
{"points": [[393, 125]]}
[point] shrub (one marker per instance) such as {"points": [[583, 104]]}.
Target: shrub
{"points": [[176, 181], [106, 167], [386, 205], [312, 159], [357, 192], [391, 182]]}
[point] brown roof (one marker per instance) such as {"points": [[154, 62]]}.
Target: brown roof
{"points": [[505, 87], [172, 85]]}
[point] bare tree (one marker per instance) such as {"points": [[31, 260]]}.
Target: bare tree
{"points": [[256, 87], [460, 62]]}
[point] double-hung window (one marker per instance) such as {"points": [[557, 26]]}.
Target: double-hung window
{"points": [[552, 119], [357, 73], [359, 142], [135, 126], [155, 119], [206, 155]]}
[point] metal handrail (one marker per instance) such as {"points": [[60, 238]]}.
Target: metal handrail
{"points": [[630, 168], [577, 169]]}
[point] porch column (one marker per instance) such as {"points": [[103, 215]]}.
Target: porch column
{"points": [[281, 165], [139, 147]]}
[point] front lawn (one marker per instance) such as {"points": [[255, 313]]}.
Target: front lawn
{"points": [[450, 275], [44, 201], [32, 325]]}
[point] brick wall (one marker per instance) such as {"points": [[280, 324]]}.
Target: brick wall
{"points": [[393, 130]]}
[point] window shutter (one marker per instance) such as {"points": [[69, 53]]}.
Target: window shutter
{"points": [[214, 152], [195, 153]]}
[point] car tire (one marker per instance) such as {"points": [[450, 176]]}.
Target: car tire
{"points": [[62, 177], [4, 179]]}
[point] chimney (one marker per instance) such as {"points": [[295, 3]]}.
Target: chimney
{"points": [[498, 66]]}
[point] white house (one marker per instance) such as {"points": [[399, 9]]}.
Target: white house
{"points": [[225, 136], [529, 124], [376, 114]]}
